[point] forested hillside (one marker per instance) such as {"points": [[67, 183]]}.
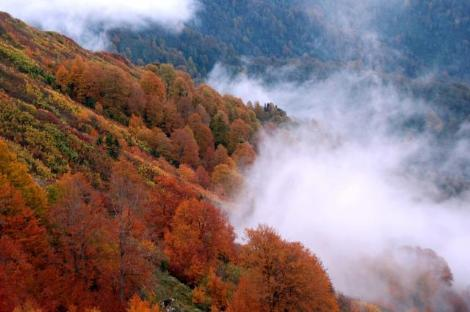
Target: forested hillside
{"points": [[314, 36], [110, 180], [265, 32], [431, 34], [114, 176]]}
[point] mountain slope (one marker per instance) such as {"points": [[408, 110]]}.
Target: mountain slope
{"points": [[257, 35], [110, 178]]}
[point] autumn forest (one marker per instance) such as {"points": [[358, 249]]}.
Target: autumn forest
{"points": [[119, 179], [111, 178]]}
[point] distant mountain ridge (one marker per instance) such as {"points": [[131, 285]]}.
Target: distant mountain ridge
{"points": [[253, 35]]}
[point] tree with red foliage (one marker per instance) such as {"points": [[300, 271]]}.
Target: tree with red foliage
{"points": [[203, 177], [129, 199], [186, 148], [199, 236], [155, 92], [26, 271], [202, 135], [281, 276], [166, 196], [158, 141], [169, 119], [84, 238]]}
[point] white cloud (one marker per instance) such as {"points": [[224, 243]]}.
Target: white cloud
{"points": [[342, 184], [86, 20]]}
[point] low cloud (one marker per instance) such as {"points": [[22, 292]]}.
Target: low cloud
{"points": [[347, 180], [87, 20]]}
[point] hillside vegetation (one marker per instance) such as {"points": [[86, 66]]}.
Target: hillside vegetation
{"points": [[112, 179], [111, 176], [314, 36]]}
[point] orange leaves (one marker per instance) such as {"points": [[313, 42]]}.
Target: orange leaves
{"points": [[218, 291], [25, 270], [167, 195], [177, 121], [152, 85], [62, 77], [186, 148], [138, 305], [199, 236], [244, 155], [247, 297], [281, 276], [202, 134], [239, 132], [84, 233], [24, 252], [130, 200], [226, 180]]}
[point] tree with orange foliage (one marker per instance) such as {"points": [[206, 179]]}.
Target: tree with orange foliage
{"points": [[168, 119], [186, 148], [138, 305], [281, 276], [87, 85], [129, 197], [226, 180], [155, 92], [26, 273], [187, 174], [157, 114], [213, 292], [218, 292], [203, 177], [202, 135], [62, 77], [244, 155], [246, 298], [152, 85], [182, 86], [30, 307], [77, 67], [157, 140], [137, 99], [84, 238], [199, 236], [185, 107], [221, 157], [167, 195], [239, 133], [205, 117], [115, 88], [135, 124]]}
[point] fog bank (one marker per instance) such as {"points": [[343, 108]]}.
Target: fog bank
{"points": [[346, 180], [87, 21]]}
